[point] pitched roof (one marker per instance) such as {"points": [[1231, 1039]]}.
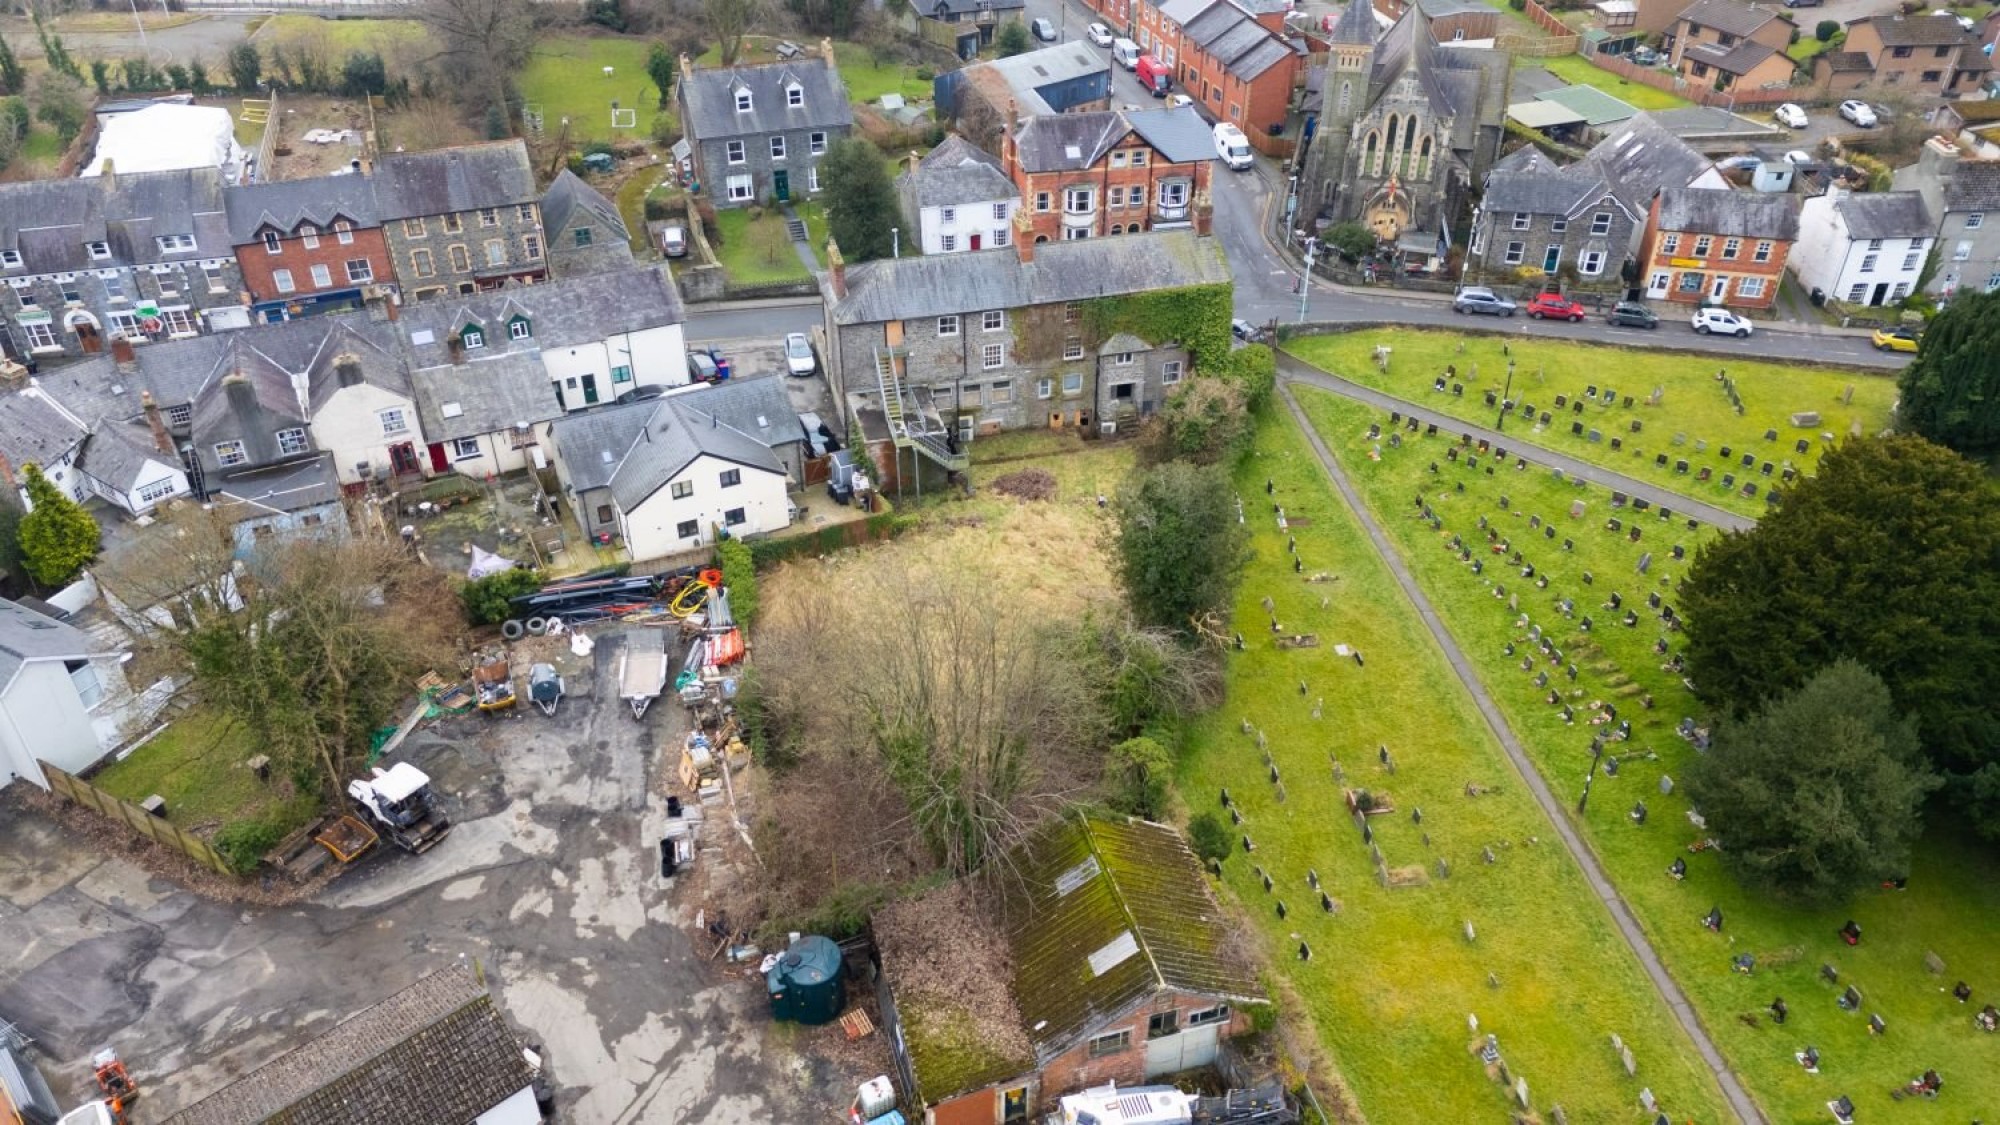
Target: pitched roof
{"points": [[447, 180], [710, 96], [561, 314], [1731, 16], [1067, 142], [34, 429], [1742, 58], [935, 285], [50, 221], [569, 201], [947, 964], [436, 1051], [282, 205], [288, 486], [27, 636], [119, 452], [1031, 71], [1179, 134], [1973, 185], [1744, 214], [1566, 192], [1642, 157], [1527, 158], [1233, 37], [1104, 914], [636, 449], [955, 173], [1928, 30], [1885, 214], [1844, 61], [1356, 24], [488, 393]]}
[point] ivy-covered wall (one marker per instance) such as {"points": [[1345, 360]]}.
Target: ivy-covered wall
{"points": [[1197, 317]]}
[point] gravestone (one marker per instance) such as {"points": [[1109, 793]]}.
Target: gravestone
{"points": [[1766, 468], [1492, 398], [1660, 460], [1470, 936], [1729, 480], [1647, 1100], [1458, 390], [1595, 435], [1725, 452], [1640, 504], [1521, 1091], [1681, 466], [1749, 460], [1631, 1064], [1544, 419], [1443, 868], [1562, 401], [1802, 446], [1704, 474], [1576, 407], [1666, 785], [1770, 435], [1395, 417], [1617, 444], [1636, 424], [1325, 902]]}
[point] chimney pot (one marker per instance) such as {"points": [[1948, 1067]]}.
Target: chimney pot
{"points": [[162, 440]]}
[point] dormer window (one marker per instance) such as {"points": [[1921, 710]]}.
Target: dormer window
{"points": [[472, 337], [272, 243], [344, 231], [11, 259], [519, 329], [742, 100], [99, 251], [795, 95], [310, 234], [176, 243]]}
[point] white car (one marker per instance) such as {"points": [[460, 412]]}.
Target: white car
{"points": [[1708, 321], [1798, 156], [799, 354], [1790, 116], [1858, 112], [1099, 34], [1175, 101]]}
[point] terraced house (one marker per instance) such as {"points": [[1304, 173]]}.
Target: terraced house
{"points": [[143, 256], [759, 132], [461, 220], [309, 246]]}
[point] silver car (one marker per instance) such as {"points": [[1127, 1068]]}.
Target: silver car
{"points": [[1473, 299], [799, 358]]}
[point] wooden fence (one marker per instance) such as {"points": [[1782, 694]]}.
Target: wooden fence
{"points": [[1546, 20], [1673, 84], [81, 792]]}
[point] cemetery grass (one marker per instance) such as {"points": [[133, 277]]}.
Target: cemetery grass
{"points": [[1954, 888], [1694, 403], [1392, 976]]}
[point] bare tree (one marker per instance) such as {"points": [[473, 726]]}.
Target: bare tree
{"points": [[729, 21], [480, 44]]}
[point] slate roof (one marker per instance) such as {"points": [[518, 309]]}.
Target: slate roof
{"points": [[1642, 157], [1743, 214], [636, 449], [1178, 134], [119, 451], [1527, 158], [282, 205], [1031, 71], [956, 173], [1566, 192], [1731, 16], [1104, 914], [444, 181], [1068, 142], [27, 636], [288, 486], [570, 201], [1917, 31], [1233, 37], [1973, 185], [50, 221], [1356, 23], [33, 428], [934, 285], [1885, 214], [1742, 58], [561, 314], [710, 96], [491, 393], [437, 1051]]}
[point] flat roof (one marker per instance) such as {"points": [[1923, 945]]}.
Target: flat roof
{"points": [[1544, 115], [1596, 106]]}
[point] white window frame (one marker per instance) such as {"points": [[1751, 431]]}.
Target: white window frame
{"points": [[322, 276], [466, 449], [361, 276], [1590, 263], [176, 243], [1045, 388], [1170, 372], [736, 152], [992, 357], [1974, 220], [795, 96], [816, 144], [741, 188], [947, 214], [394, 421], [1521, 220], [309, 236], [519, 329], [729, 478], [948, 242], [343, 232], [1730, 248], [1072, 350], [1072, 383], [778, 147], [282, 281], [1517, 252], [744, 103], [1750, 288], [1600, 223], [947, 325], [273, 244], [681, 489], [993, 320]]}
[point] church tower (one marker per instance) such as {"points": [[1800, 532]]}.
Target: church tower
{"points": [[1343, 96]]}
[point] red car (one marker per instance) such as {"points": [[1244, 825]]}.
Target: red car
{"points": [[1556, 306]]}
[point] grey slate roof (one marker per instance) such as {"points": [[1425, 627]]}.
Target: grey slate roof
{"points": [[1031, 71], [956, 173], [1233, 37], [710, 96], [288, 486], [936, 285], [492, 393], [561, 314], [49, 221], [1527, 158], [1885, 214], [1356, 23], [1743, 214], [1973, 185], [1642, 157], [1068, 142], [437, 1051], [282, 205], [119, 451], [1565, 193], [1917, 31], [467, 178], [26, 635], [1739, 59], [34, 429], [568, 197], [1731, 16], [1178, 134], [637, 449]]}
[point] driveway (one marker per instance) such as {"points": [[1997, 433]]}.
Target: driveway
{"points": [[549, 881]]}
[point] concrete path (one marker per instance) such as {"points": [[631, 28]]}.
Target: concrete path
{"points": [[1628, 926], [1291, 369], [801, 246]]}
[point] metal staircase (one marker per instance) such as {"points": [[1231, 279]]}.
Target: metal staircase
{"points": [[909, 426]]}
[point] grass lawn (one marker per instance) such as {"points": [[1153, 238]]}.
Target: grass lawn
{"points": [[632, 202], [866, 81], [341, 36], [1953, 890], [1393, 976], [1808, 47], [759, 251], [197, 765], [1577, 71], [1693, 403], [566, 79]]}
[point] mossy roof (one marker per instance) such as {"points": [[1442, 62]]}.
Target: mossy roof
{"points": [[948, 966], [1104, 913]]}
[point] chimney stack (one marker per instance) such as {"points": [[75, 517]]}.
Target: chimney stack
{"points": [[1204, 214], [1024, 236], [122, 354], [836, 270], [163, 440], [394, 306], [826, 51], [7, 475], [912, 161]]}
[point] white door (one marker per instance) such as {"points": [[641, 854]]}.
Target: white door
{"points": [[1191, 1048], [1658, 286], [1718, 289]]}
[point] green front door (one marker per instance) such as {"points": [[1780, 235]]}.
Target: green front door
{"points": [[781, 186]]}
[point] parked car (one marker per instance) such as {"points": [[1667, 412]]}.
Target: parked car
{"points": [[1707, 321], [1555, 306], [1044, 29], [1098, 34], [1798, 156], [674, 240], [1125, 52], [1744, 162], [1895, 340], [1791, 116], [702, 367], [1632, 314], [1175, 101], [1803, 3], [1858, 112], [1243, 329], [1645, 56], [1232, 146], [799, 354], [1474, 299]]}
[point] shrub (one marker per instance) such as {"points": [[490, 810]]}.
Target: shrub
{"points": [[244, 842], [1140, 767], [1209, 839], [488, 600], [739, 574]]}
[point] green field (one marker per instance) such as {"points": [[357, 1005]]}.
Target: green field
{"points": [[1692, 405], [1577, 71], [566, 79], [386, 37], [1393, 977], [1953, 892], [197, 765]]}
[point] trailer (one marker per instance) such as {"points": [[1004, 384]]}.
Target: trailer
{"points": [[346, 837], [642, 668], [545, 687]]}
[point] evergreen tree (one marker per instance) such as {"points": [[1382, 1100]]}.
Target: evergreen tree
{"points": [[13, 78], [1180, 549], [861, 205], [660, 68], [246, 67], [57, 536], [1951, 392]]}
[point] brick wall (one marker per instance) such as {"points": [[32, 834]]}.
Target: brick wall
{"points": [[259, 264], [1103, 179]]}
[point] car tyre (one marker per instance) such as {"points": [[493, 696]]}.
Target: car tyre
{"points": [[1743, 333], [1701, 329], [1509, 313], [1577, 319], [1459, 309], [1534, 316]]}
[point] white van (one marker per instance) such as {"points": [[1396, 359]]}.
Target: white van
{"points": [[1232, 146], [1126, 52]]}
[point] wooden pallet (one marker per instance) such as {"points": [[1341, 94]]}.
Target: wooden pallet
{"points": [[857, 1024]]}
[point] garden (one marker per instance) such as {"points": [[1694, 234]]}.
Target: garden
{"points": [[1521, 564], [1577, 71], [757, 248], [1405, 879], [1727, 432]]}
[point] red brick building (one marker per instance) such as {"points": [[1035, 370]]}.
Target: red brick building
{"points": [[309, 246], [1088, 175], [1232, 59], [1122, 969], [1704, 246]]}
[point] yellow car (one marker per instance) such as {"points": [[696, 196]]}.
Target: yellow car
{"points": [[1898, 340]]}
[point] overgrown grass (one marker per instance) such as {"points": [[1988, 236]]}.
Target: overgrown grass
{"points": [[1954, 889], [566, 79], [197, 765], [1393, 976], [1577, 71], [1692, 404]]}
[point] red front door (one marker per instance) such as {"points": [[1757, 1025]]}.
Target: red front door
{"points": [[439, 462], [975, 242]]}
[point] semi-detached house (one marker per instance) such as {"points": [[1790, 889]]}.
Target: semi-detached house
{"points": [[1702, 246], [1087, 175], [759, 132], [1863, 249]]}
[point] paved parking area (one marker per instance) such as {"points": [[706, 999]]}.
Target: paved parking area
{"points": [[549, 880]]}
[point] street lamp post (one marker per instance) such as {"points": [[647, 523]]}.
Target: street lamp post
{"points": [[1306, 278], [1506, 393], [1465, 263]]}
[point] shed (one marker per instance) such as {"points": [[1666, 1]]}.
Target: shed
{"points": [[805, 983]]}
